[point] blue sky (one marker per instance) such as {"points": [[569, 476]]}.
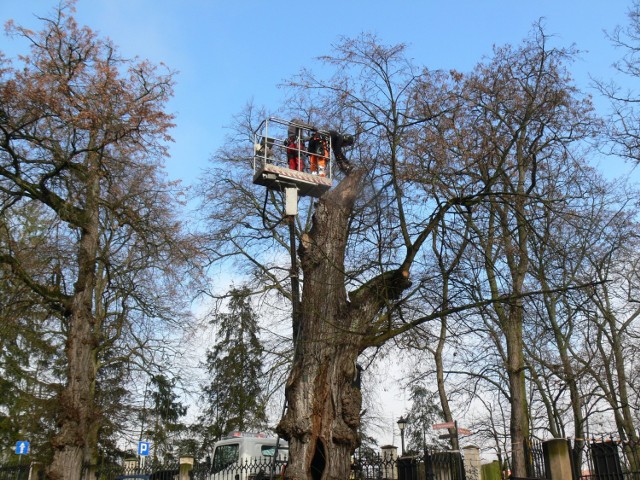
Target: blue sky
{"points": [[228, 52]]}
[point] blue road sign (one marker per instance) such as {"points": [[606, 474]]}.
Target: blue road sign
{"points": [[143, 448], [22, 447]]}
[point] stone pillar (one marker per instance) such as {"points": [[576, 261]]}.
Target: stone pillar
{"points": [[471, 460], [491, 471], [130, 465], [389, 462], [36, 471], [186, 465], [557, 459]]}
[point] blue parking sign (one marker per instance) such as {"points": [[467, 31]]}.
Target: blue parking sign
{"points": [[143, 448], [22, 447]]}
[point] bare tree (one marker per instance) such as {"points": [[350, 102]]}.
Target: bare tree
{"points": [[352, 242], [432, 148], [528, 117], [623, 126], [612, 315], [83, 133]]}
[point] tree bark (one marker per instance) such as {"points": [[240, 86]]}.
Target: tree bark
{"points": [[323, 394], [442, 391], [77, 408], [519, 416]]}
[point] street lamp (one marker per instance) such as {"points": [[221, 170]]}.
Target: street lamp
{"points": [[402, 423]]}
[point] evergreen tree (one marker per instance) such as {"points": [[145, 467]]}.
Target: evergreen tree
{"points": [[425, 411], [29, 343], [163, 420], [234, 399]]}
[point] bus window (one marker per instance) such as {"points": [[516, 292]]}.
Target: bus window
{"points": [[270, 450], [224, 456]]}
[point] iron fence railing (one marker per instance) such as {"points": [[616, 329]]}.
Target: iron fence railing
{"points": [[606, 458], [149, 471], [603, 458], [14, 472], [431, 465], [255, 468], [535, 462], [252, 469]]}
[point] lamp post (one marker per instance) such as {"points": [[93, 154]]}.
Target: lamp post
{"points": [[402, 423]]}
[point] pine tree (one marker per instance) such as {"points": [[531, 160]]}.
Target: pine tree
{"points": [[29, 344], [234, 400], [425, 411], [163, 420]]}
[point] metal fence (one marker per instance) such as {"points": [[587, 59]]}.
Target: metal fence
{"points": [[14, 472], [535, 462], [258, 469], [606, 458], [150, 471], [599, 460], [432, 465]]}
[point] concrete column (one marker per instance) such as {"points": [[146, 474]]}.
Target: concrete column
{"points": [[471, 459], [35, 470], [491, 471], [130, 465], [557, 459], [389, 459], [186, 465]]}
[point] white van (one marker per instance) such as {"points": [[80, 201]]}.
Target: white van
{"points": [[248, 456]]}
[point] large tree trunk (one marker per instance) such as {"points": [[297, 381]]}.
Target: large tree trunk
{"points": [[76, 407], [516, 251], [519, 424], [76, 404], [624, 416], [323, 394]]}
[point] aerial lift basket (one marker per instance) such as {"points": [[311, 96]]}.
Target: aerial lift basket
{"points": [[270, 164]]}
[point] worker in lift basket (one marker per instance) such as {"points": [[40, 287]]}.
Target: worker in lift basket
{"points": [[294, 148], [318, 154]]}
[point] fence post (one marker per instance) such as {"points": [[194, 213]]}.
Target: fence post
{"points": [[389, 459], [557, 459], [186, 465], [491, 471], [35, 471], [131, 466], [471, 461]]}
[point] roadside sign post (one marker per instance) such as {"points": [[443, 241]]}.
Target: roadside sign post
{"points": [[457, 431], [22, 448], [442, 426], [144, 448], [449, 426]]}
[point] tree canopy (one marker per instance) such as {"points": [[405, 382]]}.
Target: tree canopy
{"points": [[91, 237]]}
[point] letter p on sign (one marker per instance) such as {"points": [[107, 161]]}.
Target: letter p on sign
{"points": [[143, 448]]}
